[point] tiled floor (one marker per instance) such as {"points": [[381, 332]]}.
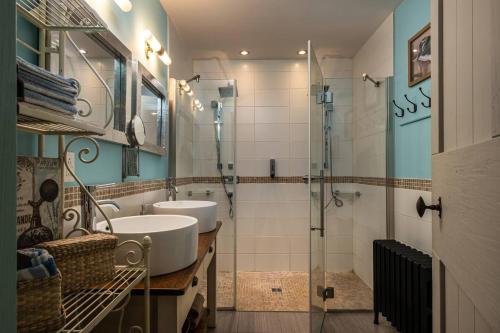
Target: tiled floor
{"points": [[297, 322], [255, 291]]}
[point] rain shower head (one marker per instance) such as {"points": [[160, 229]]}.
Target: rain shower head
{"points": [[369, 78], [227, 91]]}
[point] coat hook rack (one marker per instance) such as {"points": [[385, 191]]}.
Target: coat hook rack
{"points": [[415, 107], [428, 105], [402, 111]]}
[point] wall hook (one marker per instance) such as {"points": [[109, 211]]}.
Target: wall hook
{"points": [[414, 105], [400, 115], [428, 97]]}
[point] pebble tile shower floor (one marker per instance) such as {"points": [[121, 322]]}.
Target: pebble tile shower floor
{"points": [[255, 291]]}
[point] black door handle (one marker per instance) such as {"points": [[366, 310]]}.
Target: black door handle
{"points": [[422, 207]]}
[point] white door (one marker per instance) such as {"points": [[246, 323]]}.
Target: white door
{"points": [[466, 165]]}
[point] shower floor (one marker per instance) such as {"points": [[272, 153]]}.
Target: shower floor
{"points": [[288, 291]]}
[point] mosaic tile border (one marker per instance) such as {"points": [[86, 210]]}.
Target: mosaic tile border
{"points": [[72, 194], [405, 183]]}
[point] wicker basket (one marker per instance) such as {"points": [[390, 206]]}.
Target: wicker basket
{"points": [[39, 305], [84, 261]]}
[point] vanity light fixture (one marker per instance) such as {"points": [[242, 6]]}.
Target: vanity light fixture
{"points": [[154, 46], [163, 55], [244, 52], [124, 5], [302, 52]]}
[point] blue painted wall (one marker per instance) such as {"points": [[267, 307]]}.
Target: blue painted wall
{"points": [[128, 27], [411, 144]]}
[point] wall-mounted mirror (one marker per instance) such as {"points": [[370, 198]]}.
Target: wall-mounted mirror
{"points": [[149, 102], [111, 59]]}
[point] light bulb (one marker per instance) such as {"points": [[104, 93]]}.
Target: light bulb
{"points": [[124, 5], [152, 41], [163, 55], [187, 88], [197, 102], [182, 83]]}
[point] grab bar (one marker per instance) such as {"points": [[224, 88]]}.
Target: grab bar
{"points": [[356, 194], [206, 192]]}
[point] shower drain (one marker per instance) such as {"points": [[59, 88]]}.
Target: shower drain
{"points": [[276, 290]]}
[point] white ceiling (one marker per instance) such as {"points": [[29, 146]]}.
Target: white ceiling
{"points": [[272, 29]]}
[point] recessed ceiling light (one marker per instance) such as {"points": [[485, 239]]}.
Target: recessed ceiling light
{"points": [[82, 51], [244, 52], [301, 52]]}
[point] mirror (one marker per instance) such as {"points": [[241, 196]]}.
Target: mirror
{"points": [[150, 105], [136, 132], [110, 59]]}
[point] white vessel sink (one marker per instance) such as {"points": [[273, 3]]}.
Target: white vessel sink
{"points": [[204, 211], [175, 239]]}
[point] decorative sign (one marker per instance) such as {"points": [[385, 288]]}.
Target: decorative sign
{"points": [[39, 191]]}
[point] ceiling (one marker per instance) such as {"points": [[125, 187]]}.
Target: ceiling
{"points": [[276, 29]]}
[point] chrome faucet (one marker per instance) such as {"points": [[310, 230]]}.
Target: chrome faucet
{"points": [[104, 204], [172, 189]]}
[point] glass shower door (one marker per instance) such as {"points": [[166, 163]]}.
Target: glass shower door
{"points": [[316, 194]]}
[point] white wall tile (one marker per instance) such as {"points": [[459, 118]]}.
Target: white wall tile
{"points": [[272, 262], [274, 97], [272, 132], [272, 115], [272, 80]]}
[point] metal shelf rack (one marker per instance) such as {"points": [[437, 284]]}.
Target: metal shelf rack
{"points": [[61, 15], [84, 309], [38, 120], [87, 308]]}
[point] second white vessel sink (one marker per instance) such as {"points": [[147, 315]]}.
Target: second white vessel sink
{"points": [[204, 211], [175, 239]]}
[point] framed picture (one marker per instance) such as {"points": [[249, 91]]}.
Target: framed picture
{"points": [[419, 56]]}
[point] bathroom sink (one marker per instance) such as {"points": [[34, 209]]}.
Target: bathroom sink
{"points": [[175, 239], [204, 211]]}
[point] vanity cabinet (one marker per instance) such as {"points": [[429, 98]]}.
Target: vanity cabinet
{"points": [[173, 294]]}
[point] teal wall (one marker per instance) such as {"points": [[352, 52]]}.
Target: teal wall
{"points": [[411, 144], [128, 27]]}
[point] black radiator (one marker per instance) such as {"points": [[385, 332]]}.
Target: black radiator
{"points": [[402, 286]]}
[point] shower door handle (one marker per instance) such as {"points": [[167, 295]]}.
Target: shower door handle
{"points": [[321, 180], [322, 203]]}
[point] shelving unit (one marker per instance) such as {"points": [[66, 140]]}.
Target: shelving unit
{"points": [[84, 309], [36, 119]]}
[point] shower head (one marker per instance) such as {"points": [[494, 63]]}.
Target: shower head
{"points": [[194, 78], [214, 104], [227, 91], [369, 78]]}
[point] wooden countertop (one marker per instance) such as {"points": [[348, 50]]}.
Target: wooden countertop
{"points": [[178, 282]]}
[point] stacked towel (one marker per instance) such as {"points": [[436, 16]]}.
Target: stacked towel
{"points": [[35, 264], [43, 88]]}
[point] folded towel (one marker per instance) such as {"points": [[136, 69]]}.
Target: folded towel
{"points": [[48, 102], [68, 84], [35, 263], [46, 88]]}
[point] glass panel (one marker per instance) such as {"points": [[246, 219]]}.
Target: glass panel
{"points": [[316, 192], [355, 131], [111, 67], [215, 170]]}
